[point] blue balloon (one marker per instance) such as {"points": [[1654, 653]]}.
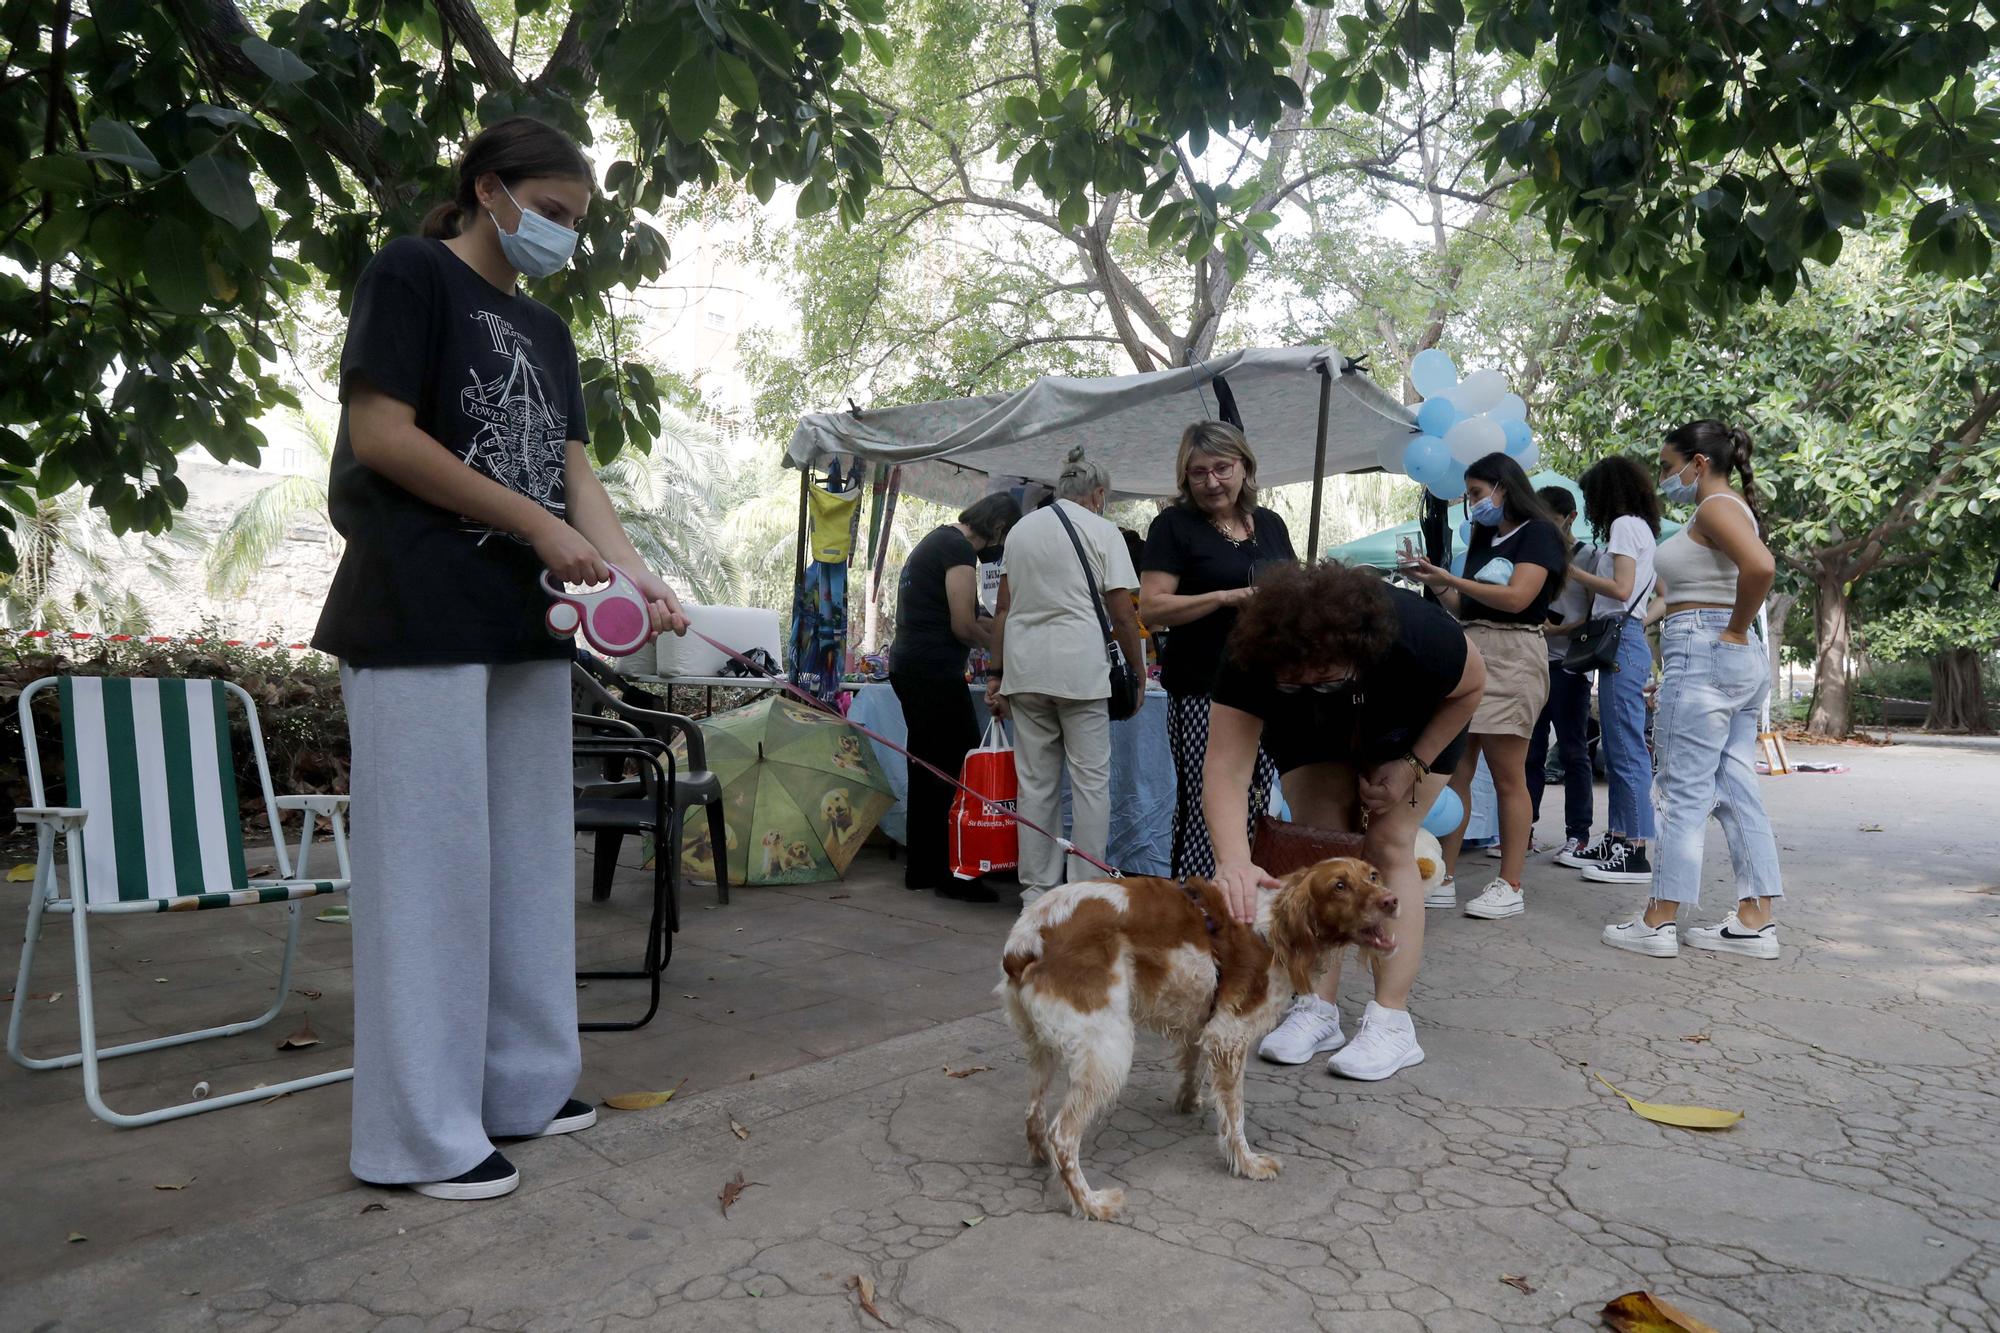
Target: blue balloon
{"points": [[1438, 415], [1450, 486], [1458, 564], [1424, 458], [1465, 532], [1432, 371], [1447, 813], [1519, 436]]}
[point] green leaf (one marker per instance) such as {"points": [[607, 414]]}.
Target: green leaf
{"points": [[278, 64], [1022, 111], [762, 35], [815, 198], [1368, 93], [175, 267], [222, 117], [60, 173], [693, 98], [222, 184], [878, 42], [115, 141], [736, 79], [55, 240]]}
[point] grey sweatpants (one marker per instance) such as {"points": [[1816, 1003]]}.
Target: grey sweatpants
{"points": [[464, 905], [1051, 734]]}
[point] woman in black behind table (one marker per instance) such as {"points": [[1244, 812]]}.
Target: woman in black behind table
{"points": [[1201, 554]]}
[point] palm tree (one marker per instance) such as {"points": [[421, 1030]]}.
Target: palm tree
{"points": [[260, 524], [75, 573], [671, 501]]}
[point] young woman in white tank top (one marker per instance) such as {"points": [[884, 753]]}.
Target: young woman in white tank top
{"points": [[1714, 575]]}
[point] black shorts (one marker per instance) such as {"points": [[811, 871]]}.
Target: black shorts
{"points": [[1297, 751]]}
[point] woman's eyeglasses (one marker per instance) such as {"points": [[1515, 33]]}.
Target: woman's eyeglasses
{"points": [[1316, 686], [1220, 474]]}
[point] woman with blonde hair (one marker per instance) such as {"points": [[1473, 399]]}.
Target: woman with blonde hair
{"points": [[1202, 556]]}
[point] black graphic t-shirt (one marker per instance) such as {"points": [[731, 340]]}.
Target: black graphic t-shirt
{"points": [[1184, 543], [493, 378]]}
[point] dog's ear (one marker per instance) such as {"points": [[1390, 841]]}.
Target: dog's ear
{"points": [[1294, 928]]}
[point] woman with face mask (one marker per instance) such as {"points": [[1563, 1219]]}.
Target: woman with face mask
{"points": [[1714, 574], [1515, 565], [459, 474]]}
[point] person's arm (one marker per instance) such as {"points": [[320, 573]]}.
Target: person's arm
{"points": [[592, 514], [1624, 569], [1730, 531], [1389, 783], [1165, 608], [1517, 594], [1226, 770], [387, 440], [996, 703], [961, 595]]}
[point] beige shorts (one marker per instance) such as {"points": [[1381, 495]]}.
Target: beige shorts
{"points": [[1517, 678]]}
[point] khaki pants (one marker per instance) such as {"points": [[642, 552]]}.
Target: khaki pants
{"points": [[1049, 733]]}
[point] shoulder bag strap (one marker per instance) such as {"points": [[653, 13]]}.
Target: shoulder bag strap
{"points": [[1089, 579]]}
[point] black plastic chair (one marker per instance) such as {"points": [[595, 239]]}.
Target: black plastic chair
{"points": [[609, 800], [691, 787]]}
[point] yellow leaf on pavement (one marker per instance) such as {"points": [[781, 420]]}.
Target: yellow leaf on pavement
{"points": [[642, 1101], [23, 873], [1687, 1117], [1643, 1312]]}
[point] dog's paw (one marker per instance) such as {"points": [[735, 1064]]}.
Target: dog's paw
{"points": [[1102, 1205], [1256, 1167], [1187, 1103]]}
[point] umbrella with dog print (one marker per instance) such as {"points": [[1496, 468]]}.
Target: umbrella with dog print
{"points": [[801, 791]]}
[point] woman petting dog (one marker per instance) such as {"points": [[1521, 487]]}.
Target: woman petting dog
{"points": [[1361, 693]]}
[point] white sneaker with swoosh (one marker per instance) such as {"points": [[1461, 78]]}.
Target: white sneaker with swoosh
{"points": [[1732, 937]]}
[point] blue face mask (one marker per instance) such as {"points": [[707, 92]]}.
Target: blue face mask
{"points": [[536, 247], [1677, 492], [1487, 514]]}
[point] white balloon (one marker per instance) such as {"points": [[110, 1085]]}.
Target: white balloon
{"points": [[1474, 438], [1390, 453], [1530, 459], [1511, 407], [1478, 392]]}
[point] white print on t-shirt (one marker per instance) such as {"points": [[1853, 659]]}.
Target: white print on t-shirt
{"points": [[523, 435]]}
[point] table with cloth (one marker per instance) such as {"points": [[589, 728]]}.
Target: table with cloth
{"points": [[1142, 775]]}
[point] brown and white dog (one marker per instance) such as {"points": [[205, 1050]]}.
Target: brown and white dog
{"points": [[1088, 964]]}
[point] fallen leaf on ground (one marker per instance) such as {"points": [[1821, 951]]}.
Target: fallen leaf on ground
{"points": [[737, 1129], [376, 1208], [733, 1190], [974, 1221], [76, 1236], [643, 1101], [175, 1184], [1992, 889], [46, 996], [831, 896], [1687, 1117], [1518, 1283], [261, 872], [1697, 1037], [863, 1288], [1871, 828], [1643, 1312], [301, 1039], [335, 916], [309, 994], [966, 1072], [23, 873], [160, 981]]}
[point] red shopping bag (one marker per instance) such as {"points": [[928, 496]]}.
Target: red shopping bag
{"points": [[984, 836]]}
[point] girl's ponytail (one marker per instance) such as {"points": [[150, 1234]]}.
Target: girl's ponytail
{"points": [[441, 223], [1739, 459], [513, 149]]}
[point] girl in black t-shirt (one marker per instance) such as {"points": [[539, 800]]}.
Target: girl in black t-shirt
{"points": [[1505, 617], [1201, 555], [459, 474]]}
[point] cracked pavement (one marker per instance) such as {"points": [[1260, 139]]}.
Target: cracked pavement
{"points": [[1860, 1192]]}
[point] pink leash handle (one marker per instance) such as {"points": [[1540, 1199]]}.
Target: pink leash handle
{"points": [[821, 706], [614, 618]]}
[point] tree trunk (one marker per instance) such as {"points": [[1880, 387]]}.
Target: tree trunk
{"points": [[1833, 701], [1958, 697], [1777, 610]]}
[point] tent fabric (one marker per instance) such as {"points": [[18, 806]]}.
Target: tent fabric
{"points": [[1378, 549], [1131, 424]]}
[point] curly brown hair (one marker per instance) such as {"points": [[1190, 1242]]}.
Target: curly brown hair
{"points": [[1307, 620]]}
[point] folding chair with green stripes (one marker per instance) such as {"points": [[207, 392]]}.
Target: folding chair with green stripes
{"points": [[153, 825]]}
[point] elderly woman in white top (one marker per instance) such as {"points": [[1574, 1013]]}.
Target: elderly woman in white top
{"points": [[1048, 669]]}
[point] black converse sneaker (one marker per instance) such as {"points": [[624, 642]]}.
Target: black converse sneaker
{"points": [[1582, 856], [491, 1179], [1623, 863]]}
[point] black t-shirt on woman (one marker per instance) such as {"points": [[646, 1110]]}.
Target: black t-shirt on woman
{"points": [[1184, 543], [493, 378], [1533, 543], [924, 644]]}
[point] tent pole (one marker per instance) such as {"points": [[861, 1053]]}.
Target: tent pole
{"points": [[1319, 462], [799, 571]]}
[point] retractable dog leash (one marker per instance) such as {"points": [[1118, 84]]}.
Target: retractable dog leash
{"points": [[614, 618]]}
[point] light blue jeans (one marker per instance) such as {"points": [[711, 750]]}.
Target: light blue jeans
{"points": [[1706, 733], [1621, 718]]}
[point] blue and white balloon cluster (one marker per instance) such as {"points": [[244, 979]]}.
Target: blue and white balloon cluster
{"points": [[1462, 420]]}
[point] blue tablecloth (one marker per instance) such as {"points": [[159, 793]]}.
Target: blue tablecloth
{"points": [[1142, 776]]}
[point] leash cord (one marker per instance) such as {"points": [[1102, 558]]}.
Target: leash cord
{"points": [[821, 705]]}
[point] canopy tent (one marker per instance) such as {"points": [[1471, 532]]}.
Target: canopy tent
{"points": [[1308, 412], [1378, 549]]}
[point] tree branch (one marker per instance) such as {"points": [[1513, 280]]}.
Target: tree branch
{"points": [[461, 19]]}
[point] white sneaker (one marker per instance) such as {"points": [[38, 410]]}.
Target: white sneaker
{"points": [[1497, 900], [1582, 856], [1567, 853], [1385, 1043], [1311, 1028], [1492, 850], [1635, 936], [1444, 895], [1731, 937]]}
